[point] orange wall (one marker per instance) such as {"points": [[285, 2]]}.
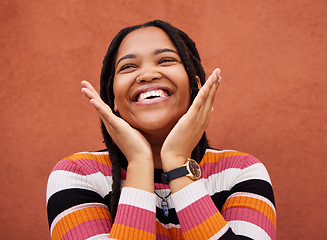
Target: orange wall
{"points": [[271, 103]]}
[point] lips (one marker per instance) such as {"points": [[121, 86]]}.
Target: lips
{"points": [[151, 92]]}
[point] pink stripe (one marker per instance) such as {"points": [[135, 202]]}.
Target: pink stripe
{"points": [[196, 213], [160, 186], [68, 166], [136, 218], [89, 166], [88, 229], [238, 162], [252, 216]]}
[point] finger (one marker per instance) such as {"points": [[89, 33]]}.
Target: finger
{"points": [[86, 85], [102, 108], [206, 89], [207, 106]]}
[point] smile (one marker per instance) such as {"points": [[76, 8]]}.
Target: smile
{"points": [[151, 94]]}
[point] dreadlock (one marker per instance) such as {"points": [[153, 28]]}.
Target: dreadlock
{"points": [[192, 63]]}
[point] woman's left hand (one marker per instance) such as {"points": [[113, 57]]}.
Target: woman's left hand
{"points": [[188, 131]]}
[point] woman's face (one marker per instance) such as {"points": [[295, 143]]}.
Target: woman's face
{"points": [[151, 86]]}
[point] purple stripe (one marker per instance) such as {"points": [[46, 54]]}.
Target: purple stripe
{"points": [[88, 229], [135, 217], [196, 213], [252, 216]]}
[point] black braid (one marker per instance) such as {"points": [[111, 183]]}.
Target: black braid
{"points": [[192, 62]]}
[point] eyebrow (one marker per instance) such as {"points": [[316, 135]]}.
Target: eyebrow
{"points": [[125, 57], [156, 52]]}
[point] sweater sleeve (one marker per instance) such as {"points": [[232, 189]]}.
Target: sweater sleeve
{"points": [[136, 216], [76, 210], [248, 212], [77, 207]]}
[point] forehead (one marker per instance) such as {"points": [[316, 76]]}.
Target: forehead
{"points": [[145, 40]]}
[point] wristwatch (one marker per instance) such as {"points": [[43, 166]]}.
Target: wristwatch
{"points": [[190, 169]]}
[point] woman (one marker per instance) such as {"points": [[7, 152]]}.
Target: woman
{"points": [[158, 178]]}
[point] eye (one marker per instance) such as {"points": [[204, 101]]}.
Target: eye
{"points": [[126, 66], [167, 60]]}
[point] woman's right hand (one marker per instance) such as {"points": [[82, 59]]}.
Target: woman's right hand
{"points": [[131, 142]]}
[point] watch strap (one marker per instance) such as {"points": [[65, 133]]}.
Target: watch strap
{"points": [[175, 173]]}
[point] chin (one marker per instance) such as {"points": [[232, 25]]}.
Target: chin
{"points": [[156, 125]]}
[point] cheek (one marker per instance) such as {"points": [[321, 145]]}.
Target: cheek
{"points": [[120, 89]]}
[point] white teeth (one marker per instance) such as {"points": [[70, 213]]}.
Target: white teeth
{"points": [[155, 93]]}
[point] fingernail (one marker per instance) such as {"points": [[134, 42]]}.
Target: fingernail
{"points": [[218, 72], [219, 79], [214, 78]]}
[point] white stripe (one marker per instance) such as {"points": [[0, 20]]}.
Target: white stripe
{"points": [[73, 209], [94, 153], [189, 194], [220, 233], [226, 179], [255, 171], [169, 225], [138, 198], [256, 196], [163, 193], [222, 181], [218, 151], [99, 237], [61, 180], [249, 230]]}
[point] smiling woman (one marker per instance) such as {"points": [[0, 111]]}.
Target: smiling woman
{"points": [[158, 178], [161, 93]]}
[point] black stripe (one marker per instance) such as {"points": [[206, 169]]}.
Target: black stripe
{"points": [[244, 237], [255, 186], [172, 217], [219, 199], [229, 235], [65, 199]]}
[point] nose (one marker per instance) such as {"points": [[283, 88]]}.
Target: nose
{"points": [[148, 74]]}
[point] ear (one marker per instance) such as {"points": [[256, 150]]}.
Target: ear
{"points": [[115, 106], [198, 81]]}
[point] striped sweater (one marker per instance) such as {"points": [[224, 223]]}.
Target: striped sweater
{"points": [[232, 200]]}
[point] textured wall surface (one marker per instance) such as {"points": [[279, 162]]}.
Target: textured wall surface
{"points": [[271, 103]]}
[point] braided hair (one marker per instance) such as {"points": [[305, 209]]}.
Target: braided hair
{"points": [[192, 63]]}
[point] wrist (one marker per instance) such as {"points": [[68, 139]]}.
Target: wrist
{"points": [[172, 162], [140, 175], [190, 169]]}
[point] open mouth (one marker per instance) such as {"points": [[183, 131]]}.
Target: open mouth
{"points": [[151, 93]]}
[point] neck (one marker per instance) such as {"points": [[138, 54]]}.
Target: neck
{"points": [[156, 142]]}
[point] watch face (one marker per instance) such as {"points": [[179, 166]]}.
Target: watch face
{"points": [[194, 169]]}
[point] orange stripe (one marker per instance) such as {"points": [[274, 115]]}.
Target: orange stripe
{"points": [[103, 158], [123, 232], [75, 218], [206, 229], [212, 157], [173, 232], [253, 203]]}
